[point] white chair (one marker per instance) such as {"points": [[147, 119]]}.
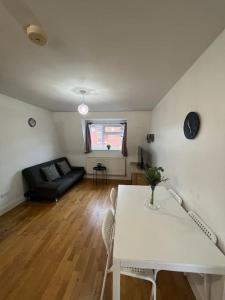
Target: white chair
{"points": [[212, 236], [107, 235], [113, 198], [176, 196], [205, 228]]}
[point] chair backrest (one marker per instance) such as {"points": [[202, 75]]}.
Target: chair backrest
{"points": [[113, 197], [107, 230], [176, 196], [205, 228]]}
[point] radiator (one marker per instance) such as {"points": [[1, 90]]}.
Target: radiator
{"points": [[114, 165]]}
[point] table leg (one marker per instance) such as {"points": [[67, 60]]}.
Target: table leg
{"points": [[223, 297], [116, 279], [206, 286]]}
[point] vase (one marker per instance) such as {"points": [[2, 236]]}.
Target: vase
{"points": [[152, 195], [150, 203]]}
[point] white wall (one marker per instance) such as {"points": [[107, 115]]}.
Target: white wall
{"points": [[196, 168], [69, 130], [22, 146]]}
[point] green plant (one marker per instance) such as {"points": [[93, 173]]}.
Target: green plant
{"points": [[108, 146], [153, 176]]}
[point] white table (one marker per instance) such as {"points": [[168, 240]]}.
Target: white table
{"points": [[166, 239]]}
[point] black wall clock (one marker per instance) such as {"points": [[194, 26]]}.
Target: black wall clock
{"points": [[191, 125], [31, 122]]}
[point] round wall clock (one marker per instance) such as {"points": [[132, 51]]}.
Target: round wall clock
{"points": [[32, 122], [191, 125]]}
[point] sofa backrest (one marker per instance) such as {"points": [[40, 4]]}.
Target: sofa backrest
{"points": [[33, 175]]}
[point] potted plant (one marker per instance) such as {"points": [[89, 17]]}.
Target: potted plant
{"points": [[108, 146], [153, 176], [99, 165]]}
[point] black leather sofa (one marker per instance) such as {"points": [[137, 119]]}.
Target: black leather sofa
{"points": [[40, 189]]}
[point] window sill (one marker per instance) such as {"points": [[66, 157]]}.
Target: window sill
{"points": [[103, 150], [105, 153]]}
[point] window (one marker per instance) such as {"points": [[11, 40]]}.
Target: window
{"points": [[106, 134]]}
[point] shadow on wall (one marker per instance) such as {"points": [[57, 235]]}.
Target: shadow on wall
{"points": [[60, 130], [24, 184], [17, 186], [12, 194]]}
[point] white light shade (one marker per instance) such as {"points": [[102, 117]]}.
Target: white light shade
{"points": [[83, 109]]}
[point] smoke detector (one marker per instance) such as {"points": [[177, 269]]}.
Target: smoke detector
{"points": [[36, 34]]}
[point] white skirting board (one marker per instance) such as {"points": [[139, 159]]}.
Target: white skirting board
{"points": [[116, 166]]}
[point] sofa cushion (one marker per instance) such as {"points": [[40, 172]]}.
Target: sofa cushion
{"points": [[63, 167], [50, 173], [34, 175], [74, 175], [64, 184]]}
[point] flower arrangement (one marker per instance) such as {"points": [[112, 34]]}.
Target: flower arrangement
{"points": [[153, 176]]}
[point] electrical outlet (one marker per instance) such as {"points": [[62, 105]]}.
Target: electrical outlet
{"points": [[3, 195]]}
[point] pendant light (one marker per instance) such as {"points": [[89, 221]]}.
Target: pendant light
{"points": [[83, 108]]}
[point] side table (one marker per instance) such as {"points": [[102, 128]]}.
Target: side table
{"points": [[103, 172]]}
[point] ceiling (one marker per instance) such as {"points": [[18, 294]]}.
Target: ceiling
{"points": [[127, 54]]}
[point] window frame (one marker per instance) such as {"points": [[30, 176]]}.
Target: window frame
{"points": [[104, 133]]}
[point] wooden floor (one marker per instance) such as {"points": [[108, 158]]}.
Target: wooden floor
{"points": [[54, 251]]}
